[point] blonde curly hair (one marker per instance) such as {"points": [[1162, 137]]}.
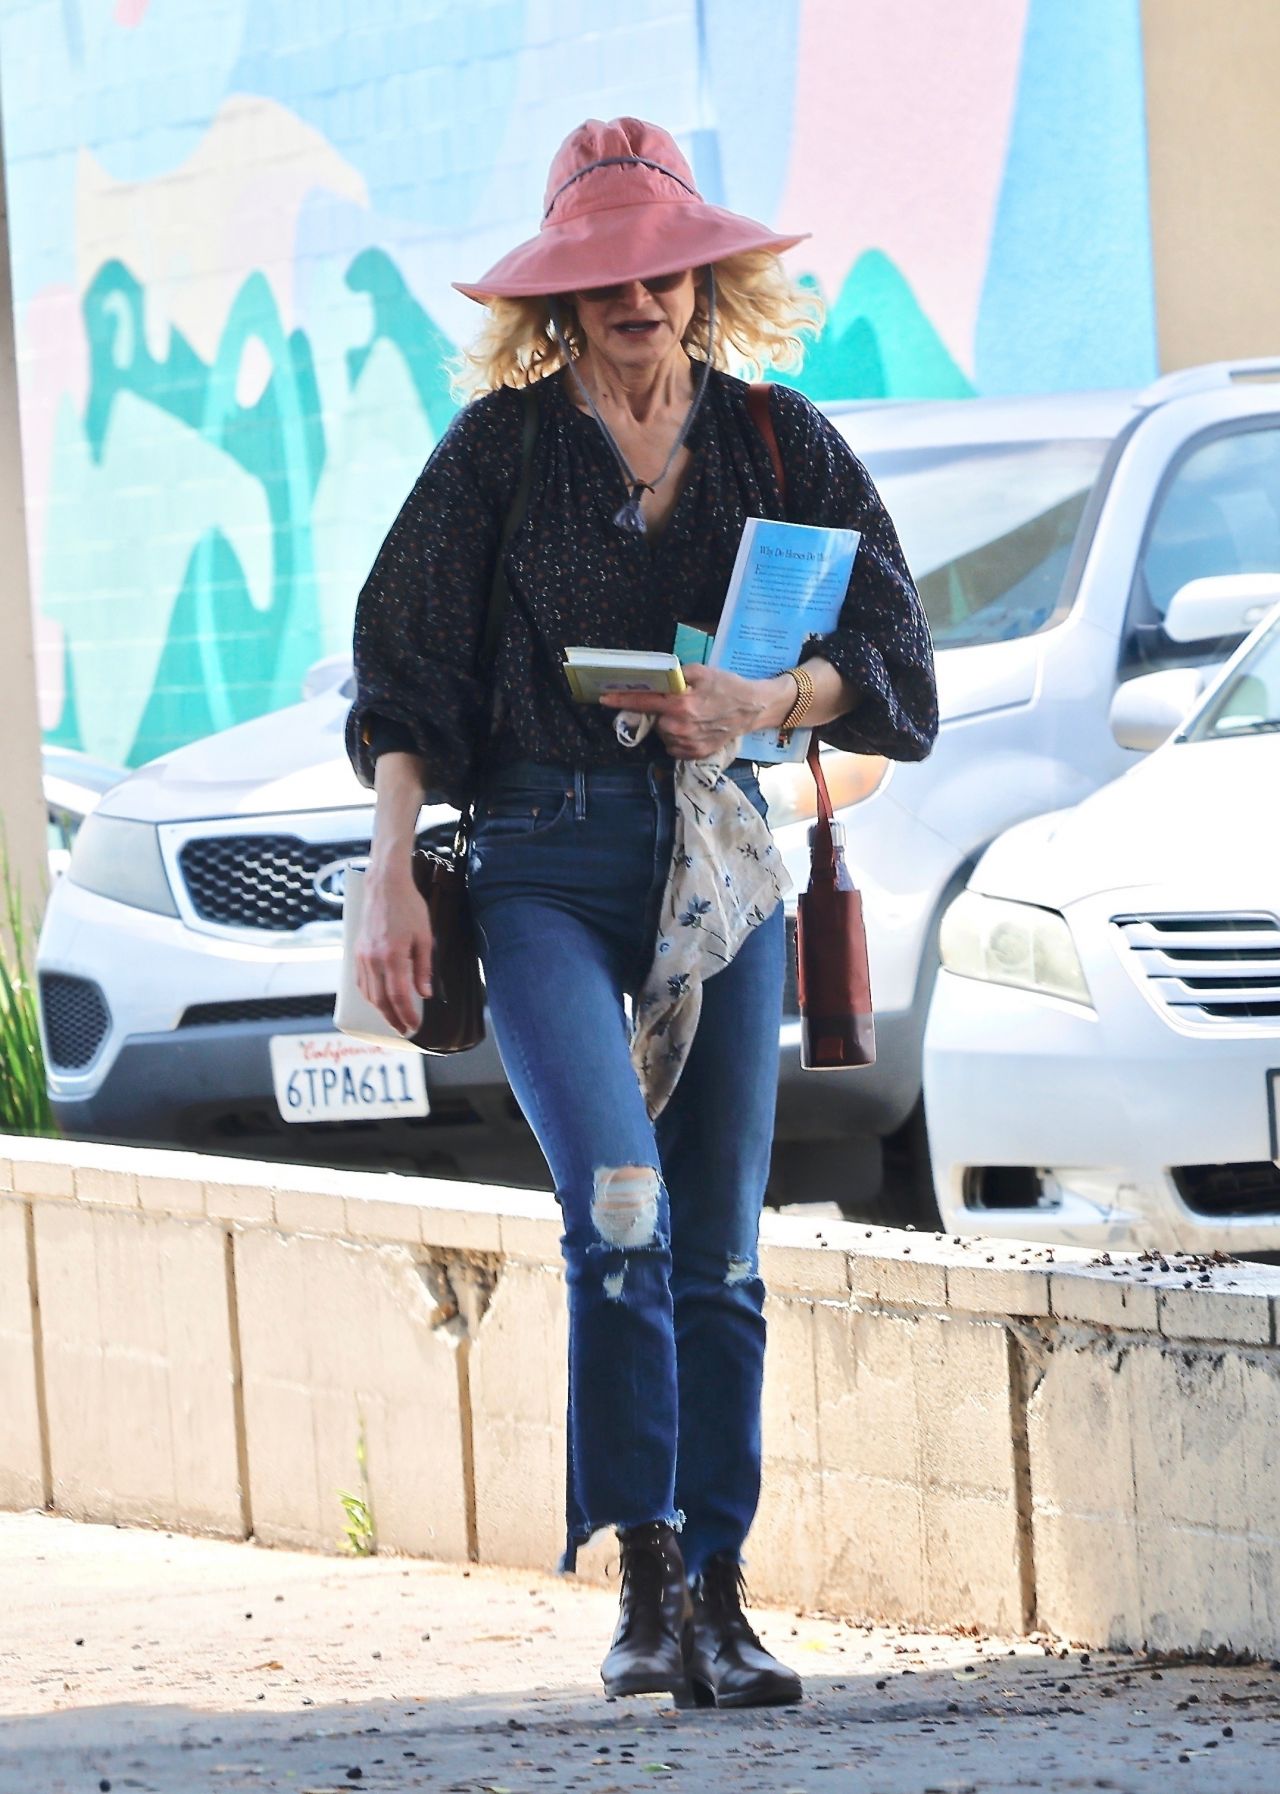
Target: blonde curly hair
{"points": [[762, 317]]}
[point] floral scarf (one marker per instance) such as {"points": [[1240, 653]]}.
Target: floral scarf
{"points": [[726, 878]]}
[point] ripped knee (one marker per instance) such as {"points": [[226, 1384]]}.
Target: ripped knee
{"points": [[624, 1207]]}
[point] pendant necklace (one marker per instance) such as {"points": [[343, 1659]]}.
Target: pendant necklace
{"points": [[630, 517]]}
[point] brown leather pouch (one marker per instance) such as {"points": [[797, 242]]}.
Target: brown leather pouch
{"points": [[453, 1015]]}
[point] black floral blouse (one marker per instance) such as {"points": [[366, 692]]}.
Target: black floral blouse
{"points": [[576, 578]]}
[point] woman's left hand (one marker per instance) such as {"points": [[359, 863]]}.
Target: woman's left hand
{"points": [[717, 708]]}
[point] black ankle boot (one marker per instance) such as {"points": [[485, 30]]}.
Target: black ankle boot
{"points": [[654, 1609], [727, 1665]]}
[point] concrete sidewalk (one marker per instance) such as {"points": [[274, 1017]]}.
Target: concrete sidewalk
{"points": [[173, 1665]]}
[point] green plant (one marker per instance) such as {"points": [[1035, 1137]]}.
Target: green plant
{"points": [[24, 1092], [359, 1529]]}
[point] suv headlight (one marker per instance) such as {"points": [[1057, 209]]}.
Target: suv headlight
{"points": [[1018, 944], [121, 860], [791, 795]]}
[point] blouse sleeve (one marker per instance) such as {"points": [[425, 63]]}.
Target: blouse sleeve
{"points": [[882, 645], [421, 611]]}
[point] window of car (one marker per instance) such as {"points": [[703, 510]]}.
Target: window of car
{"points": [[1249, 701], [1217, 511], [988, 529]]}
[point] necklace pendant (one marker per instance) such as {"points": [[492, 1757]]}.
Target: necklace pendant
{"points": [[631, 518]]}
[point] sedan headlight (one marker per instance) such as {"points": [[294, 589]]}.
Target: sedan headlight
{"points": [[791, 795], [121, 860], [1012, 943]]}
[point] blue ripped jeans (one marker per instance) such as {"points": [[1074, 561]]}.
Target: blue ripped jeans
{"points": [[666, 1330]]}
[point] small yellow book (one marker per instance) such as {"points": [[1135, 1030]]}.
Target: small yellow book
{"points": [[591, 671]]}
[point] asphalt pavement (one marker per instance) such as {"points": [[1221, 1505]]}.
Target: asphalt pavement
{"points": [[172, 1665]]}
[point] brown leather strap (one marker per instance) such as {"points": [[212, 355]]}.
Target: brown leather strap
{"points": [[761, 410], [820, 780]]}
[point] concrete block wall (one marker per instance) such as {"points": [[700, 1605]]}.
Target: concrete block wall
{"points": [[957, 1432]]}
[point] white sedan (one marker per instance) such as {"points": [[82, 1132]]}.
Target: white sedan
{"points": [[1102, 1056]]}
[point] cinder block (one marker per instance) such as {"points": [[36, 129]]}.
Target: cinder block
{"points": [[1087, 1577], [900, 1281], [239, 1202], [460, 1229], [784, 1553], [45, 1177], [171, 1195], [116, 1188], [873, 1559], [517, 1377], [865, 1376], [336, 1337], [533, 1238], [814, 1272], [961, 1372], [1226, 1314], [1196, 1589], [1002, 1288], [972, 1555], [1190, 1437], [21, 1475], [310, 1211], [1103, 1299], [371, 1218], [138, 1368], [1078, 1428]]}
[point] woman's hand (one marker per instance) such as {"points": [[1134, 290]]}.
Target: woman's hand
{"points": [[717, 708], [393, 953]]}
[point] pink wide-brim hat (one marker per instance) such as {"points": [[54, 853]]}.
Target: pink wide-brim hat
{"points": [[620, 205]]}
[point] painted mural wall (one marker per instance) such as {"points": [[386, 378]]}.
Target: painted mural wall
{"points": [[234, 224]]}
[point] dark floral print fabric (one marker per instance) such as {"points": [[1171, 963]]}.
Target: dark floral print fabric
{"points": [[576, 578]]}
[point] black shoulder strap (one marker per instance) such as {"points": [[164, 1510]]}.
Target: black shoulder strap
{"points": [[500, 591]]}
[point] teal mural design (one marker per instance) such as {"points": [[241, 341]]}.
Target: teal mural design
{"points": [[233, 230]]}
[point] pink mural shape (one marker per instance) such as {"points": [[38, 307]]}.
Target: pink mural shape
{"points": [[899, 144], [129, 13]]}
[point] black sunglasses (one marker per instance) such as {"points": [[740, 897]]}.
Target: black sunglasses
{"points": [[656, 283]]}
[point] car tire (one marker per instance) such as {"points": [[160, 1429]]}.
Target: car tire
{"points": [[908, 1198]]}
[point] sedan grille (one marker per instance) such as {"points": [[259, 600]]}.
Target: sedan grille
{"points": [[258, 1009], [1252, 1188], [76, 1019], [1207, 968]]}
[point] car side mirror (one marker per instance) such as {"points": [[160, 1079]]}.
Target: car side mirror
{"points": [[1146, 711], [1224, 604]]}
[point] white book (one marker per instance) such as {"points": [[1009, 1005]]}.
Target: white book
{"points": [[593, 671]]}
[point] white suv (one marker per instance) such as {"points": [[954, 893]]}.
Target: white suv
{"points": [[200, 915]]}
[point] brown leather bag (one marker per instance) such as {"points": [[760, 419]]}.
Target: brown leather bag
{"points": [[833, 981], [453, 1015]]}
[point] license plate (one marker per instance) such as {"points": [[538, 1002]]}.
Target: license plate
{"points": [[331, 1077]]}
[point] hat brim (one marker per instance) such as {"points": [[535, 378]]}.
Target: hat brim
{"points": [[620, 243]]}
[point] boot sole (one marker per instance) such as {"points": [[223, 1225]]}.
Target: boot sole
{"points": [[675, 1686], [702, 1694]]}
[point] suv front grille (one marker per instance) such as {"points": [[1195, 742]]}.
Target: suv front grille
{"points": [[1209, 968], [1249, 1188], [261, 881], [76, 1019], [268, 881]]}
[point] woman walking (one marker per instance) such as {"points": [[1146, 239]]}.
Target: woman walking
{"points": [[625, 500]]}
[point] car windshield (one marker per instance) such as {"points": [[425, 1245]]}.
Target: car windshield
{"points": [[987, 529], [1249, 702]]}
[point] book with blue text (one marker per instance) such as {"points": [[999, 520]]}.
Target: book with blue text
{"points": [[788, 583]]}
